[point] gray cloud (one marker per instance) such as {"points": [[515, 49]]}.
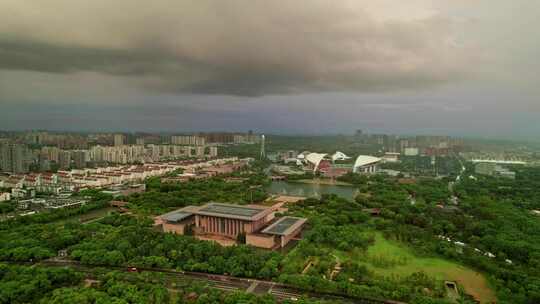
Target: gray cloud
{"points": [[44, 57], [312, 114], [235, 47], [422, 66]]}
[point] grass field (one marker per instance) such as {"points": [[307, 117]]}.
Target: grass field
{"points": [[391, 258]]}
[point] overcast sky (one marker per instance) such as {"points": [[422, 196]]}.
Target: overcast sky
{"points": [[457, 67]]}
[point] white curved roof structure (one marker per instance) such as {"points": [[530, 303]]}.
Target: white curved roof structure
{"points": [[502, 162], [364, 160], [339, 156], [315, 159]]}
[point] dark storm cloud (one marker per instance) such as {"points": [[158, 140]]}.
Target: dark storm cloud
{"points": [[459, 66], [234, 47], [43, 57]]}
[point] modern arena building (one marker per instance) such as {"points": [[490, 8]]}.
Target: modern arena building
{"points": [[324, 163], [318, 161], [366, 164]]}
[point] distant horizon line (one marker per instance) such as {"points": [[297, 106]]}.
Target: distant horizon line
{"points": [[274, 133]]}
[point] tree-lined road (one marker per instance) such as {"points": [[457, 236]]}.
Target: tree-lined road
{"points": [[226, 283]]}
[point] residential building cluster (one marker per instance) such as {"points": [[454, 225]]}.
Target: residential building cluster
{"points": [[118, 180], [249, 138], [202, 139], [188, 140], [83, 141], [76, 179], [23, 152], [127, 154], [60, 140], [15, 158], [50, 203], [19, 159], [231, 138], [426, 145], [125, 189], [203, 170]]}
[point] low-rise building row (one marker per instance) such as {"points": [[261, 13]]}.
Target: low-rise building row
{"points": [[106, 177]]}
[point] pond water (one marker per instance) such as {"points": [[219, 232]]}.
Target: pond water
{"points": [[311, 190]]}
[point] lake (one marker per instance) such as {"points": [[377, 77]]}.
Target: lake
{"points": [[311, 190]]}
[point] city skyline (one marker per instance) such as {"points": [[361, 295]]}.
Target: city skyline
{"points": [[465, 68], [195, 132]]}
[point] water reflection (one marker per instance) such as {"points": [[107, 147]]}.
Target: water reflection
{"points": [[311, 190]]}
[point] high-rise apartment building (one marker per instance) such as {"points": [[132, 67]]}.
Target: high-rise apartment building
{"points": [[79, 159], [219, 137], [119, 140], [213, 151], [51, 153], [64, 159], [188, 140], [15, 158]]}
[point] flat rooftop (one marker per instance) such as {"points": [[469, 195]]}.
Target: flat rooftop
{"points": [[176, 216], [285, 225], [249, 213]]}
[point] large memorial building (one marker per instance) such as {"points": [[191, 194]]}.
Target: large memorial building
{"points": [[256, 222]]}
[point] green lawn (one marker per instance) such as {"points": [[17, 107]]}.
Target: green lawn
{"points": [[391, 258]]}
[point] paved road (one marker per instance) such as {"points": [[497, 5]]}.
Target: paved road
{"points": [[228, 283]]}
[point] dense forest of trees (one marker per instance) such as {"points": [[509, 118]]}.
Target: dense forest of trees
{"points": [[125, 243], [23, 284], [42, 285], [6, 207], [337, 223], [492, 216], [162, 197]]}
